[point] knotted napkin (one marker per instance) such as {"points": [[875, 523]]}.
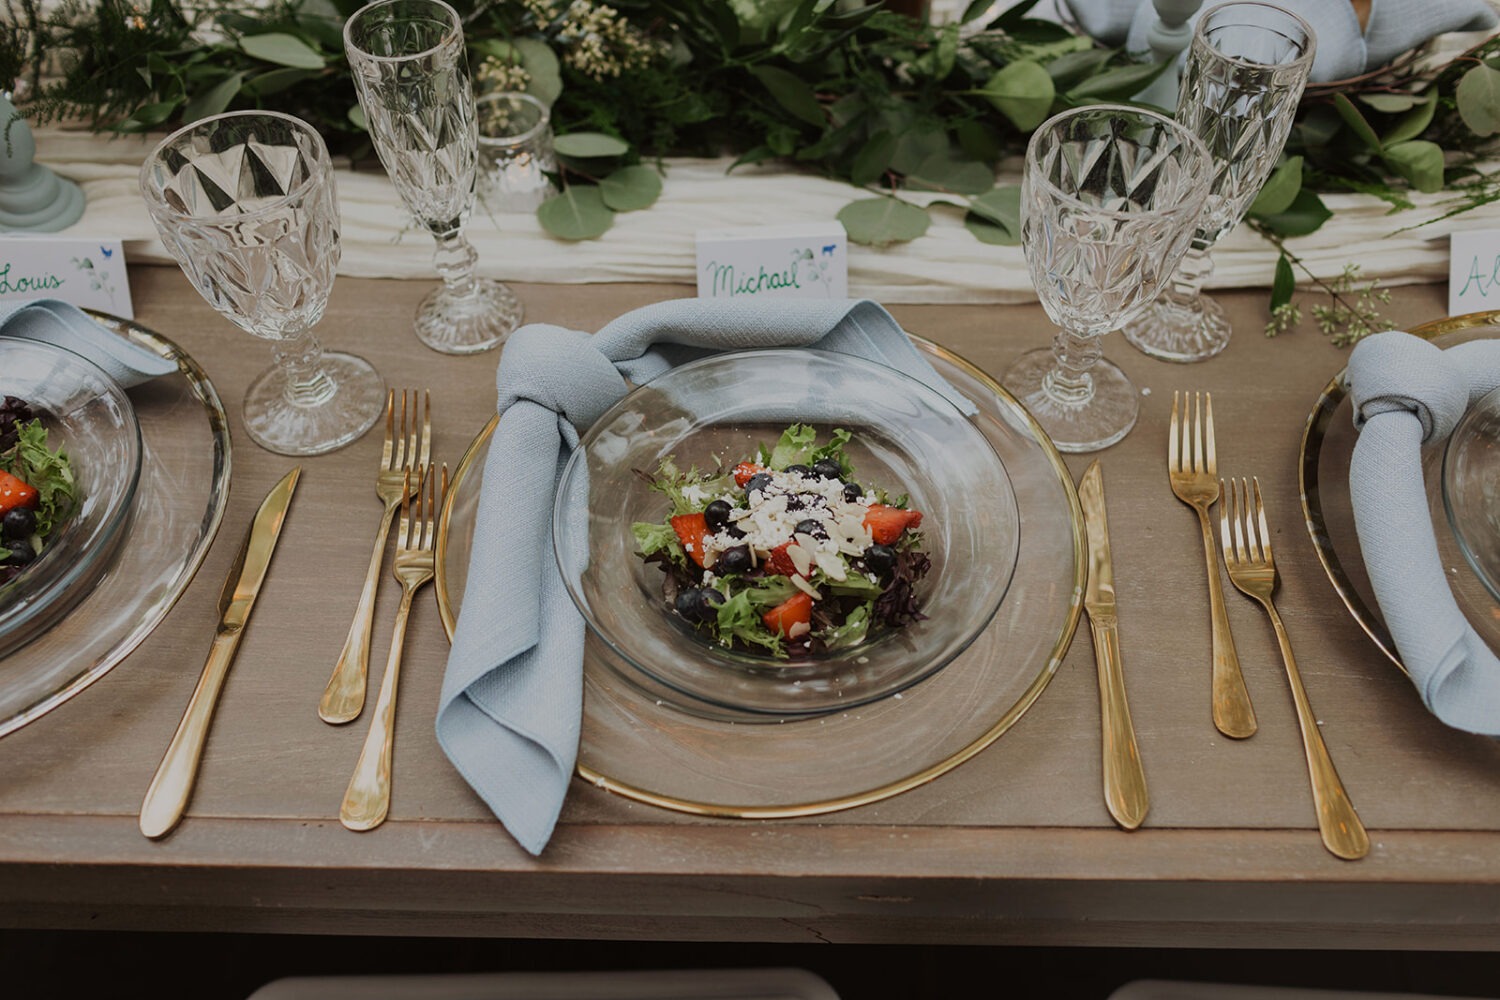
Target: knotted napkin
{"points": [[1407, 393], [512, 699], [1344, 49], [57, 323]]}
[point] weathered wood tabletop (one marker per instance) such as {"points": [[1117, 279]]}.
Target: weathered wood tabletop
{"points": [[1012, 846]]}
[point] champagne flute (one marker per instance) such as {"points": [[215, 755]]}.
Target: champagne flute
{"points": [[245, 202], [1246, 69], [1109, 199], [412, 75]]}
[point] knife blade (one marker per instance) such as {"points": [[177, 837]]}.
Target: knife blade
{"points": [[1124, 777], [172, 786]]}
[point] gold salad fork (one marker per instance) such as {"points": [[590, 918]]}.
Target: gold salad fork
{"points": [[409, 449], [1193, 469], [368, 797], [1247, 555]]}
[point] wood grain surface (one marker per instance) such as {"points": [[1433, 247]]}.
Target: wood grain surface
{"points": [[1013, 846]]}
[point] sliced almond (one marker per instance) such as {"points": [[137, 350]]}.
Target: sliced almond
{"points": [[798, 630], [801, 557], [806, 588]]}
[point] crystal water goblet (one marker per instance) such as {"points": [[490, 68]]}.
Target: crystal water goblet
{"points": [[1247, 66], [1110, 196], [412, 76], [245, 202]]}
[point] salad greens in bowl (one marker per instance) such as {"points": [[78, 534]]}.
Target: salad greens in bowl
{"points": [[70, 461], [782, 533]]}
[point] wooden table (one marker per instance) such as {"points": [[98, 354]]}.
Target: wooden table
{"points": [[1014, 846]]}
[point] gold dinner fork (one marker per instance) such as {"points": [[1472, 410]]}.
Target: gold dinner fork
{"points": [[409, 449], [1193, 469], [368, 798], [1247, 555]]}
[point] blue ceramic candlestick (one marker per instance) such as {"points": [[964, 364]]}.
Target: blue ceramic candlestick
{"points": [[31, 196]]}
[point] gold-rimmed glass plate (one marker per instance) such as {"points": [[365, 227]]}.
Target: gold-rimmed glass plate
{"points": [[1327, 445], [179, 503], [650, 752]]}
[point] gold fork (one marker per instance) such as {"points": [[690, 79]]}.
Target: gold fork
{"points": [[1193, 469], [1253, 570], [368, 798], [344, 696]]}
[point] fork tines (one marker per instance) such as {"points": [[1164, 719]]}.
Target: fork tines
{"points": [[1192, 442], [1251, 538]]}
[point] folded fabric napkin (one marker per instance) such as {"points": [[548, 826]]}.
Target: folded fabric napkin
{"points": [[1407, 393], [62, 325], [512, 699], [1344, 48]]}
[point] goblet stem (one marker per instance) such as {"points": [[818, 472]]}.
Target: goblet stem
{"points": [[1188, 280], [1071, 381], [307, 381], [455, 258]]}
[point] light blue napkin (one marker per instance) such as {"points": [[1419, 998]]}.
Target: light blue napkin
{"points": [[63, 325], [1407, 393], [512, 697], [1394, 27]]}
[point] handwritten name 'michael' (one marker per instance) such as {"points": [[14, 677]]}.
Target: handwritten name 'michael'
{"points": [[25, 285], [726, 281]]}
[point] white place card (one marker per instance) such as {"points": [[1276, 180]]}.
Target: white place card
{"points": [[799, 261], [1474, 271], [89, 274]]}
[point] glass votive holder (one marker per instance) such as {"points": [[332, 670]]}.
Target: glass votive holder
{"points": [[515, 151]]}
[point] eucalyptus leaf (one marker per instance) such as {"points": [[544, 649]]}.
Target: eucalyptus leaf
{"points": [[791, 92], [1071, 68], [1413, 123], [916, 144], [1419, 161], [1277, 194], [630, 189], [1478, 97], [213, 101], [274, 81], [1118, 84], [873, 159], [986, 231], [882, 221], [942, 172], [541, 65], [357, 118], [1022, 91], [282, 49], [1356, 122], [1000, 207], [149, 116], [1305, 214], [589, 145], [1390, 104], [577, 213], [1283, 284], [975, 10], [978, 141]]}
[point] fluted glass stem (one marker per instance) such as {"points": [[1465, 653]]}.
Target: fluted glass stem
{"points": [[1191, 275], [1071, 382], [455, 259], [301, 359]]}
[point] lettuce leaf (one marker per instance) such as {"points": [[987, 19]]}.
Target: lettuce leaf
{"points": [[854, 629], [739, 619], [47, 471]]}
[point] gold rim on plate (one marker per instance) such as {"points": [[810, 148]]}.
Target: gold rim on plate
{"points": [[886, 790], [1313, 435]]}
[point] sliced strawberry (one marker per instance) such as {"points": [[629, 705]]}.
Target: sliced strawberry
{"points": [[780, 562], [887, 523], [15, 492], [744, 471], [691, 530], [795, 610]]}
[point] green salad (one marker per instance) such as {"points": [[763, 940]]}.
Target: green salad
{"points": [[37, 490], [785, 553]]}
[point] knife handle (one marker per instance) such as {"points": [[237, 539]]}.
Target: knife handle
{"points": [[167, 798], [1124, 778]]}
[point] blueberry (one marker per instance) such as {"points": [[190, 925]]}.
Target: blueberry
{"points": [[735, 560], [811, 527], [759, 481], [698, 604], [18, 522], [801, 470], [881, 559], [21, 555], [827, 468], [716, 514], [852, 492]]}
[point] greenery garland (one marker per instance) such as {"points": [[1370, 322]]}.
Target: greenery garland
{"points": [[889, 103]]}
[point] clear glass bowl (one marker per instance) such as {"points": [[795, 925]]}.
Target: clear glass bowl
{"points": [[1471, 488], [88, 416], [907, 439]]}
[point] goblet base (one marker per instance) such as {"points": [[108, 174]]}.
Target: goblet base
{"points": [[327, 421], [1075, 426], [451, 322], [1173, 330]]}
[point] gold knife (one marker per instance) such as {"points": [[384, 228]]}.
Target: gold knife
{"points": [[170, 789], [1124, 779]]}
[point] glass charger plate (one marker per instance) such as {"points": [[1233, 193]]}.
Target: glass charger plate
{"points": [[1327, 445], [639, 748], [179, 504]]}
